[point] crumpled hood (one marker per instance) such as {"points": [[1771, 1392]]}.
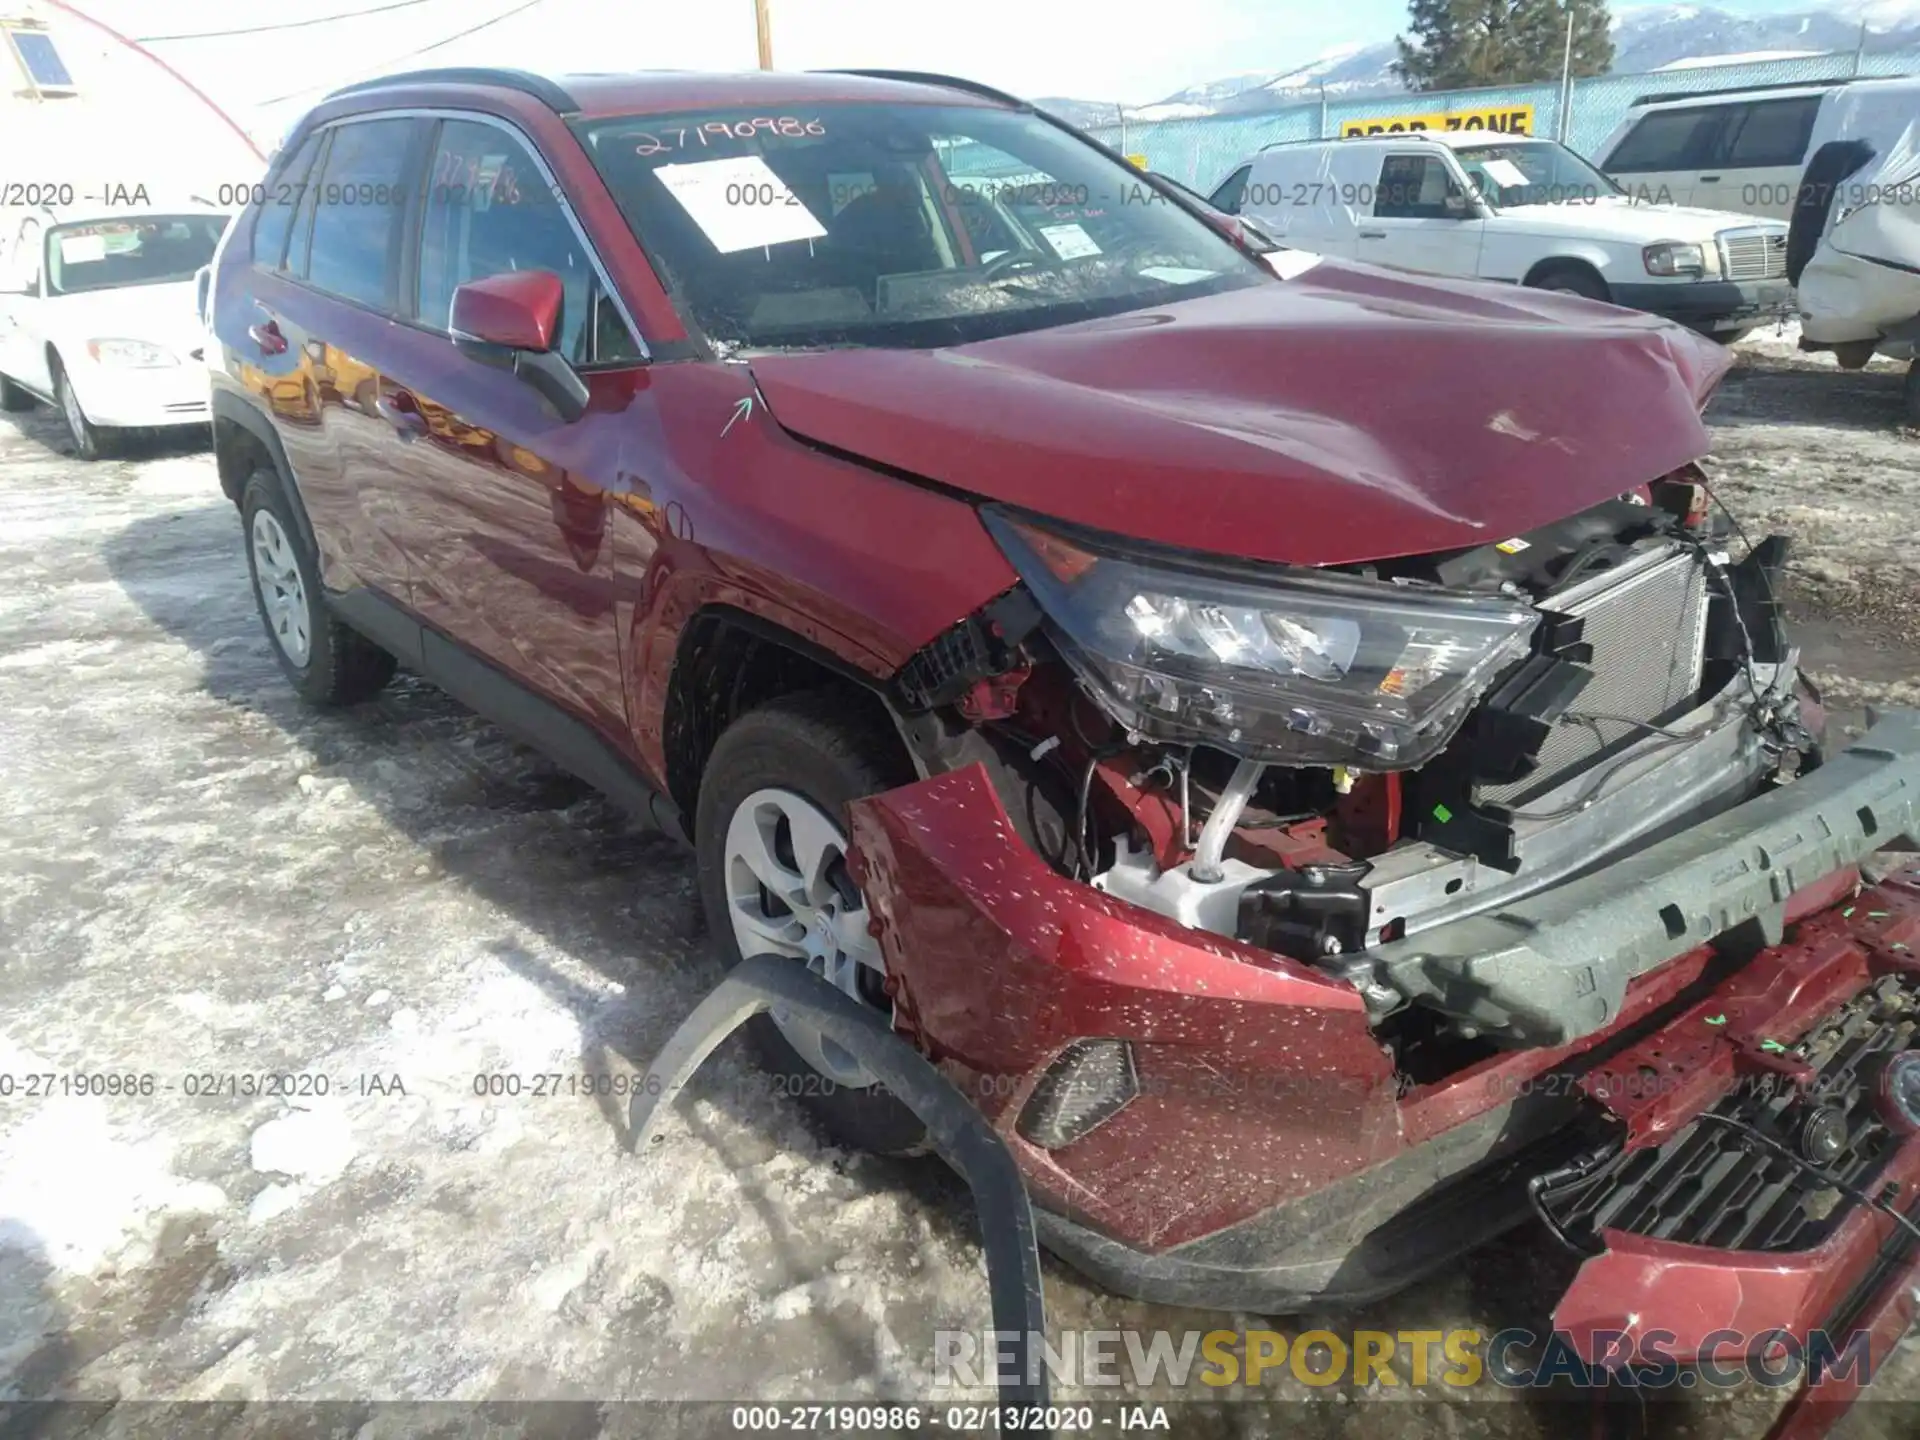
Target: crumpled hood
{"points": [[1351, 414]]}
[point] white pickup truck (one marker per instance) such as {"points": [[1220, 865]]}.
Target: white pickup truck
{"points": [[1481, 204]]}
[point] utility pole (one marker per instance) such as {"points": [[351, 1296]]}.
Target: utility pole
{"points": [[763, 32], [1566, 81]]}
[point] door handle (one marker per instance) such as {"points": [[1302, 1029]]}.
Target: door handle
{"points": [[266, 334], [1373, 234], [1709, 179], [400, 410]]}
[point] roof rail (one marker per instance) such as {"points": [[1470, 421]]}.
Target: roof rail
{"points": [[1393, 135], [929, 77], [1731, 91], [547, 92]]}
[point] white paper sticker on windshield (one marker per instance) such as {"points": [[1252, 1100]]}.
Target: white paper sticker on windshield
{"points": [[1177, 274], [1289, 263], [1069, 242], [82, 249], [740, 203], [1505, 174]]}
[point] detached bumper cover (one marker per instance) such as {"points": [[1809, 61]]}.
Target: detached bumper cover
{"points": [[1554, 966]]}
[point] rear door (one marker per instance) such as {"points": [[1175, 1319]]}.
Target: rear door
{"points": [[1758, 156], [326, 250], [1421, 217], [505, 508], [1666, 152]]}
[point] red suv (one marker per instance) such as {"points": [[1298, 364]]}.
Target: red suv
{"points": [[1288, 737]]}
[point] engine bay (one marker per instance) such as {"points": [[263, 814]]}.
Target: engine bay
{"points": [[1639, 683]]}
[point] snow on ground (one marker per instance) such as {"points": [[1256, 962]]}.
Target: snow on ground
{"points": [[298, 944]]}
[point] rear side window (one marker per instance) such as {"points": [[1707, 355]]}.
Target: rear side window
{"points": [[358, 209], [490, 210], [1231, 190], [1667, 140], [1414, 187], [1769, 132], [280, 199]]}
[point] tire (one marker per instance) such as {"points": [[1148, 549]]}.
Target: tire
{"points": [[326, 662], [1571, 280], [801, 758], [1731, 337], [1913, 391], [90, 441], [13, 398]]}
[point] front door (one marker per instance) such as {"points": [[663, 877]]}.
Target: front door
{"points": [[505, 514], [1422, 218]]}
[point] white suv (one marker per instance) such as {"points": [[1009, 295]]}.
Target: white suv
{"points": [[1491, 206]]}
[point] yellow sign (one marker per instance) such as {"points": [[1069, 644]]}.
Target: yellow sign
{"points": [[1508, 119], [1139, 162]]}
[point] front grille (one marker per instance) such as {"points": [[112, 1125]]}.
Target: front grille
{"points": [[1753, 254], [1647, 627], [1709, 1185]]}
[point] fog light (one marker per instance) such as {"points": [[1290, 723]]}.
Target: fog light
{"points": [[1823, 1137], [1087, 1086]]}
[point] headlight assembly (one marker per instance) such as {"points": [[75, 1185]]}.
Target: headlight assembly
{"points": [[131, 354], [1671, 259], [1296, 668]]}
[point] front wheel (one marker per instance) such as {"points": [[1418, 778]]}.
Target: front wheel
{"points": [[90, 441], [1571, 280], [772, 855]]}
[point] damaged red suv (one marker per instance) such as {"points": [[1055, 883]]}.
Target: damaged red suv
{"points": [[1298, 743]]}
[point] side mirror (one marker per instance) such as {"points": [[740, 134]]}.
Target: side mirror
{"points": [[1457, 206], [510, 321]]}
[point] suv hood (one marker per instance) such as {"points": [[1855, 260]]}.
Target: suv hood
{"points": [[1351, 414]]}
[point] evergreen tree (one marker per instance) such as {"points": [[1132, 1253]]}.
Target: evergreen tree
{"points": [[1457, 44]]}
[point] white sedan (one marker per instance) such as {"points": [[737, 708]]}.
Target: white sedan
{"points": [[97, 319]]}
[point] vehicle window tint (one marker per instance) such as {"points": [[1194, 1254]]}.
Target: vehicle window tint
{"points": [[490, 210], [1666, 140], [1770, 132], [356, 219], [1415, 187], [1228, 196], [279, 198]]}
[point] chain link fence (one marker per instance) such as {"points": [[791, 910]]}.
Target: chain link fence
{"points": [[1204, 150]]}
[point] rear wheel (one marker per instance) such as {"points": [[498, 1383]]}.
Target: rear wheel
{"points": [[90, 441], [771, 839], [1570, 280], [12, 397], [327, 662]]}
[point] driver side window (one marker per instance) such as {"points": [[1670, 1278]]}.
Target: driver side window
{"points": [[1417, 187], [489, 210]]}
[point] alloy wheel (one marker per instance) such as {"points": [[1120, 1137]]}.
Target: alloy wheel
{"points": [[283, 594], [789, 893]]}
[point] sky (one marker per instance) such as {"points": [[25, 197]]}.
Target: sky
{"points": [[1136, 51]]}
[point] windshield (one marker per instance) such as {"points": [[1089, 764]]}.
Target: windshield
{"points": [[898, 225], [110, 254], [1537, 172]]}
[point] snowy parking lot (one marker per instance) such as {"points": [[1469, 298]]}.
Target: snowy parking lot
{"points": [[322, 952]]}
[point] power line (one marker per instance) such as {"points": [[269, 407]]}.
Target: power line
{"points": [[282, 25], [396, 59]]}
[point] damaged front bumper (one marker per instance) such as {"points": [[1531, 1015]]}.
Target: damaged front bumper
{"points": [[1260, 1150]]}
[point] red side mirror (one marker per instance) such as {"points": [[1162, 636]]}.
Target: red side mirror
{"points": [[517, 310]]}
